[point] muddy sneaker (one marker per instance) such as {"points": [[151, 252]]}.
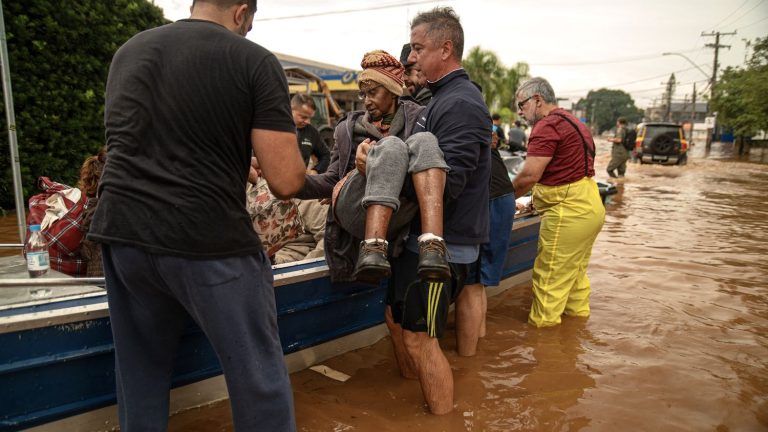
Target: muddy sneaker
{"points": [[372, 265], [433, 264]]}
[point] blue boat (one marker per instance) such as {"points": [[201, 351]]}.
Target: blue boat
{"points": [[57, 355]]}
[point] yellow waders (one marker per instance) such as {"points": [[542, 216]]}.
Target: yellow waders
{"points": [[571, 217]]}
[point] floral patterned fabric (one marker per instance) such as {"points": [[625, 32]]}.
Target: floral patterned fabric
{"points": [[276, 221]]}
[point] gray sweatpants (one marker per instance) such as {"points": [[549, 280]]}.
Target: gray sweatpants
{"points": [[388, 164]]}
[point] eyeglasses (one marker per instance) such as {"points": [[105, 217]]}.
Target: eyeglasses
{"points": [[371, 92], [520, 105]]}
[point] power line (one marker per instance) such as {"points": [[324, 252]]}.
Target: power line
{"points": [[657, 88], [345, 11], [609, 61], [636, 81], [744, 14], [731, 14], [756, 22], [571, 95]]}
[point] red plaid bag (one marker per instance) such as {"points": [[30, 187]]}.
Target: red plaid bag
{"points": [[65, 235]]}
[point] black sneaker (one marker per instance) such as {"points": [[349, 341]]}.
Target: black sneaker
{"points": [[433, 263], [372, 265]]}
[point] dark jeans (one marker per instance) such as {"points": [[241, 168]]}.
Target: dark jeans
{"points": [[151, 300]]}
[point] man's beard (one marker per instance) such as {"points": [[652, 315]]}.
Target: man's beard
{"points": [[243, 29]]}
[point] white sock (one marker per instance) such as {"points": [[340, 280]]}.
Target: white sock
{"points": [[376, 240], [429, 236]]}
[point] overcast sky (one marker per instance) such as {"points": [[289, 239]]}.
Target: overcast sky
{"points": [[577, 45]]}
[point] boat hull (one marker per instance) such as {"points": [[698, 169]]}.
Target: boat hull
{"points": [[57, 357]]}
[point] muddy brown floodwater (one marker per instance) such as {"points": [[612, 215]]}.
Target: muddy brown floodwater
{"points": [[677, 340]]}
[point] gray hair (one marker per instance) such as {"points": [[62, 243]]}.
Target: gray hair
{"points": [[443, 24], [538, 86]]}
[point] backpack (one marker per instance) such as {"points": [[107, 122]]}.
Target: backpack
{"points": [[629, 139], [65, 235]]}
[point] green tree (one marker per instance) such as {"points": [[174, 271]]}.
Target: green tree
{"points": [[485, 69], [499, 83], [739, 97], [508, 85], [59, 58], [605, 106]]}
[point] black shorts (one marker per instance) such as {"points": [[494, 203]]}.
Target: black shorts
{"points": [[422, 306]]}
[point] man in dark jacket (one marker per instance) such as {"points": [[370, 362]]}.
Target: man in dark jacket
{"points": [[458, 117]]}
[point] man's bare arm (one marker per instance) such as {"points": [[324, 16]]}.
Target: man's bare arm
{"points": [[531, 173], [279, 161]]}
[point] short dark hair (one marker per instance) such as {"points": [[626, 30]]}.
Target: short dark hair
{"points": [[622, 120], [517, 123], [300, 99], [443, 24], [495, 116], [224, 4]]}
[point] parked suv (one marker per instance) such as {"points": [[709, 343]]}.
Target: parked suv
{"points": [[662, 143]]}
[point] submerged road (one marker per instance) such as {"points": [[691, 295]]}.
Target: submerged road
{"points": [[677, 340]]}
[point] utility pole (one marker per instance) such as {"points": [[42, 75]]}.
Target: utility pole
{"points": [[717, 47], [693, 114], [713, 81], [668, 97]]}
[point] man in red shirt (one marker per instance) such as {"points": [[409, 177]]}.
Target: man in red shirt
{"points": [[559, 167]]}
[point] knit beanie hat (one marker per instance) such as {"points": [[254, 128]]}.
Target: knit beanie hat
{"points": [[380, 67]]}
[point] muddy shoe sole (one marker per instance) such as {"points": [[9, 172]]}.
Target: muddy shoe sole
{"points": [[434, 273], [372, 274]]}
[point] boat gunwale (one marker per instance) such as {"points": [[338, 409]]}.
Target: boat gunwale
{"points": [[83, 308]]}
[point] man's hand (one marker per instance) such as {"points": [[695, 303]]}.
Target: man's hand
{"points": [[361, 156]]}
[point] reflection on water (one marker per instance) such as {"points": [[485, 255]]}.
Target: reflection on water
{"points": [[677, 340]]}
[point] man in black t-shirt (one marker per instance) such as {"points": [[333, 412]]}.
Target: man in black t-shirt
{"points": [[310, 142], [187, 104]]}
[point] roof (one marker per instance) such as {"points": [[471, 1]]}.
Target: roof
{"points": [[337, 77]]}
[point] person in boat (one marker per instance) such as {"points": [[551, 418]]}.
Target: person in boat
{"points": [[90, 175], [417, 311], [65, 215], [311, 242], [380, 173], [559, 168], [187, 104]]}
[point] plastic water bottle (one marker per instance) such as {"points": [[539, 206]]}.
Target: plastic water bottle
{"points": [[38, 261]]}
